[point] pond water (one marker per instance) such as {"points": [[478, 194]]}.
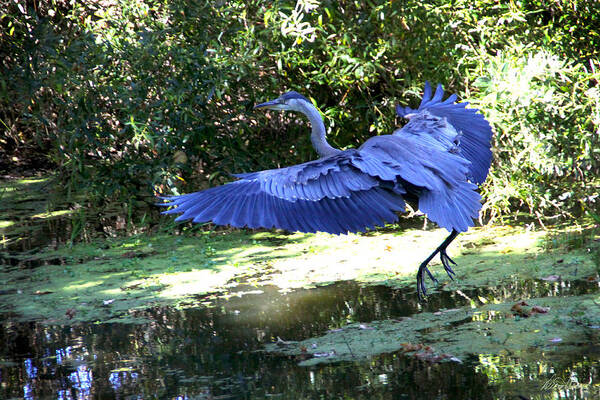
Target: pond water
{"points": [[215, 353]]}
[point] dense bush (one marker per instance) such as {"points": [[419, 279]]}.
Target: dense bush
{"points": [[548, 144], [128, 96]]}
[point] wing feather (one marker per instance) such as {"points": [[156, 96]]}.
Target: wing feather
{"points": [[231, 204], [340, 207], [226, 212], [251, 206], [475, 132], [206, 213], [305, 218], [270, 217]]}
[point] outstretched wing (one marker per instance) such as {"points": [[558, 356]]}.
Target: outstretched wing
{"points": [[332, 194], [472, 132], [434, 174]]}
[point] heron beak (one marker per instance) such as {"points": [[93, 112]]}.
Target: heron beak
{"points": [[271, 105]]}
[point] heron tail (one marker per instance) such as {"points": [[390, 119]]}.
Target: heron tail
{"points": [[476, 132]]}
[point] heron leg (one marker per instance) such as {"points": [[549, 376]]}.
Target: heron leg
{"points": [[446, 261]]}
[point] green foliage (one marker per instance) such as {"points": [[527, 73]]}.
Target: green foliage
{"points": [[108, 89], [127, 97], [546, 118]]}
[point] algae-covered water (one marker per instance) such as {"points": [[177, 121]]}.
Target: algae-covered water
{"points": [[219, 353], [224, 314]]}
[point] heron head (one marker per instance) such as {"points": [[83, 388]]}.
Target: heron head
{"points": [[292, 101]]}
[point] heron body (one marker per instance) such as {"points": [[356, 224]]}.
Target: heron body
{"points": [[436, 161]]}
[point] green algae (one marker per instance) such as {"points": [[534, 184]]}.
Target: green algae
{"points": [[109, 280], [456, 334]]}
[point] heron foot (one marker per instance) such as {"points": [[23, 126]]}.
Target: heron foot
{"points": [[446, 261], [421, 288]]}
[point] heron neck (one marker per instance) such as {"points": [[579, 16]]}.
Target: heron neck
{"points": [[317, 136]]}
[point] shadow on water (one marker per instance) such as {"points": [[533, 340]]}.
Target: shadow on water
{"points": [[214, 352], [25, 220]]}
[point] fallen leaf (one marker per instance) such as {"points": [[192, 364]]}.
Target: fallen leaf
{"points": [[555, 340], [364, 326], [388, 248], [131, 287], [427, 353], [107, 302], [41, 292], [540, 309], [408, 347], [303, 356], [70, 313], [519, 310]]}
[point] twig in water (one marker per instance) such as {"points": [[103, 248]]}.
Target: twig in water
{"points": [[348, 345]]}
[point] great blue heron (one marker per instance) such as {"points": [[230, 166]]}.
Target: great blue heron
{"points": [[435, 161]]}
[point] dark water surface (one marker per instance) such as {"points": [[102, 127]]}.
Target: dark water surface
{"points": [[215, 353]]}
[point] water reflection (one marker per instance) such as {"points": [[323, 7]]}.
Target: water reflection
{"points": [[562, 380], [215, 353]]}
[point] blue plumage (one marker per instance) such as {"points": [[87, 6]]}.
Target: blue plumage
{"points": [[475, 133], [435, 160]]}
